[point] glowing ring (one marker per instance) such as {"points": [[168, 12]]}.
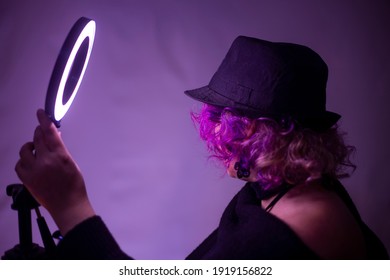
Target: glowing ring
{"points": [[69, 69]]}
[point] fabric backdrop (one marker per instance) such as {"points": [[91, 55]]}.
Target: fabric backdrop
{"points": [[129, 128]]}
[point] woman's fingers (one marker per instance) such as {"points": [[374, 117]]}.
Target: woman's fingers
{"points": [[26, 161], [27, 154], [21, 170]]}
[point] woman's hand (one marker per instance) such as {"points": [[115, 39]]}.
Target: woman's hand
{"points": [[48, 171]]}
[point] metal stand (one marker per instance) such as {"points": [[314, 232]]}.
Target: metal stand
{"points": [[23, 202]]}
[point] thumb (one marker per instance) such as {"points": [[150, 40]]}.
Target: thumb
{"points": [[40, 145], [49, 132]]}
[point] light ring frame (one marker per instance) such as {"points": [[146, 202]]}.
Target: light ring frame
{"points": [[81, 35]]}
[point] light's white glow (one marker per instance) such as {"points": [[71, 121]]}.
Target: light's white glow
{"points": [[60, 109]]}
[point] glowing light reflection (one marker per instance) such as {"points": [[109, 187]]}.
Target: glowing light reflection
{"points": [[60, 109]]}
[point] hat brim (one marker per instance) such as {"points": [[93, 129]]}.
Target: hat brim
{"points": [[320, 121], [207, 95]]}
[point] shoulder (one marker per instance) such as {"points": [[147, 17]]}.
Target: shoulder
{"points": [[323, 222]]}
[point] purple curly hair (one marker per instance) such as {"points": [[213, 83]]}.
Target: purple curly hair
{"points": [[277, 153]]}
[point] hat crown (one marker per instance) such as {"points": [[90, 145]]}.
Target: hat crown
{"points": [[281, 78]]}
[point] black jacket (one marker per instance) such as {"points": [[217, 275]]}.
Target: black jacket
{"points": [[245, 231]]}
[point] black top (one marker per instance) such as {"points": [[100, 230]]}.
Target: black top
{"points": [[246, 231]]}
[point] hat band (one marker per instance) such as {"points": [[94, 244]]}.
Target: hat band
{"points": [[237, 93]]}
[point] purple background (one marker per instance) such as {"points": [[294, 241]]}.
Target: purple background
{"points": [[129, 129]]}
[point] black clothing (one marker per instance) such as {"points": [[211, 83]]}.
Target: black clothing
{"points": [[246, 231], [90, 240]]}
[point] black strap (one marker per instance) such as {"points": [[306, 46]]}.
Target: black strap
{"points": [[278, 197]]}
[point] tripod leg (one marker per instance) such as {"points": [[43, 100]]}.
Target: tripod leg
{"points": [[47, 239], [25, 231]]}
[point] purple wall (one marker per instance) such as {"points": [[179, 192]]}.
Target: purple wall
{"points": [[129, 128]]}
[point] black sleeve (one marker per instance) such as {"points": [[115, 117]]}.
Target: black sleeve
{"points": [[90, 240]]}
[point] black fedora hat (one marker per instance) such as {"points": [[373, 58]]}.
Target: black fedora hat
{"points": [[259, 78]]}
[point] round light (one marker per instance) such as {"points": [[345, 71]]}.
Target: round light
{"points": [[69, 69]]}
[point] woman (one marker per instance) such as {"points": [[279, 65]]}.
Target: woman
{"points": [[264, 118]]}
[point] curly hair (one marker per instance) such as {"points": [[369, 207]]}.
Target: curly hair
{"points": [[276, 152]]}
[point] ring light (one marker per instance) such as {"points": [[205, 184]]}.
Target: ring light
{"points": [[69, 69]]}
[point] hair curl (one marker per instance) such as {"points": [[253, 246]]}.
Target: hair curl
{"points": [[277, 153]]}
